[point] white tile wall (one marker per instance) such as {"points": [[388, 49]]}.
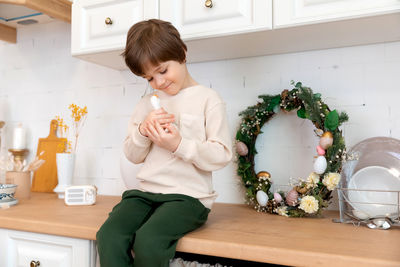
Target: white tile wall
{"points": [[39, 79]]}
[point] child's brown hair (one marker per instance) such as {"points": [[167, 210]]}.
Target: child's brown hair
{"points": [[152, 41]]}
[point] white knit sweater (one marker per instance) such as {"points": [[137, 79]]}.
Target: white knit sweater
{"points": [[206, 145]]}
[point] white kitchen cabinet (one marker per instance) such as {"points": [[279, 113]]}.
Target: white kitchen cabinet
{"points": [[101, 25], [209, 18], [234, 28], [19, 249], [300, 12]]}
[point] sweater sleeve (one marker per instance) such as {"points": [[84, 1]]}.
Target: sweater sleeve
{"points": [[216, 151], [136, 146]]}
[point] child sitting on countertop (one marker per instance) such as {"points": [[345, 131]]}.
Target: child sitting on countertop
{"points": [[179, 145]]}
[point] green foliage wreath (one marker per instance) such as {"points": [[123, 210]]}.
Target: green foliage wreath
{"points": [[309, 196]]}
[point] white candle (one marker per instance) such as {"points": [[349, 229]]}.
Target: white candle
{"points": [[19, 137]]}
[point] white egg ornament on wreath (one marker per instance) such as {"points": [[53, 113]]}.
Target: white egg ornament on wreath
{"points": [[262, 198], [320, 165]]}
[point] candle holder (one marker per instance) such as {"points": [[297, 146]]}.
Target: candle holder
{"points": [[19, 154]]}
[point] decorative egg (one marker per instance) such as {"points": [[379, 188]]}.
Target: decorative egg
{"points": [[320, 151], [301, 190], [263, 174], [291, 197], [262, 198], [320, 165], [241, 148], [326, 140], [277, 197]]}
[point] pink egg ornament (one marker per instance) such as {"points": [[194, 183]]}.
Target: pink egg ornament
{"points": [[320, 151], [278, 197], [326, 140], [241, 148], [291, 198]]}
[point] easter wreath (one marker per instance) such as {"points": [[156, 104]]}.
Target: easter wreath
{"points": [[308, 196]]}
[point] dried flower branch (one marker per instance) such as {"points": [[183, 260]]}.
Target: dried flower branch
{"points": [[62, 127], [10, 164], [78, 120], [79, 117]]}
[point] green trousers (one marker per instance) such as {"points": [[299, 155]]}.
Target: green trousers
{"points": [[149, 223]]}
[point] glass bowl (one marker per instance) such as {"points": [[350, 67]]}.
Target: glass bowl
{"points": [[370, 184]]}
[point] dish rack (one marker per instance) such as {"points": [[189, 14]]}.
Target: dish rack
{"points": [[354, 212]]}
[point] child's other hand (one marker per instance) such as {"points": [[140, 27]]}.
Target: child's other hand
{"points": [[159, 115], [169, 140]]}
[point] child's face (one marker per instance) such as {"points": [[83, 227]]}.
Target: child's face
{"points": [[170, 76]]}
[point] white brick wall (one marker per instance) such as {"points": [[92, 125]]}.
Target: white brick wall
{"points": [[39, 79]]}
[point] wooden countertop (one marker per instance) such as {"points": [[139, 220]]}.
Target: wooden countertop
{"points": [[232, 231]]}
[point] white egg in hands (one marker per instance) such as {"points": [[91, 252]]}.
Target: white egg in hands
{"points": [[320, 165], [262, 198], [155, 102]]}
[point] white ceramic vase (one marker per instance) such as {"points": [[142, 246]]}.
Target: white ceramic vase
{"points": [[65, 171]]}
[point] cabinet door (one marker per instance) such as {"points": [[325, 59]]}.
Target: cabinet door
{"points": [[195, 20], [102, 25], [18, 249], [300, 12]]}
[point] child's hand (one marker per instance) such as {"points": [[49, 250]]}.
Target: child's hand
{"points": [[169, 140], [159, 115]]}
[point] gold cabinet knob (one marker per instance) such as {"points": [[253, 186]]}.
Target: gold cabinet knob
{"points": [[209, 3], [35, 263], [108, 21]]}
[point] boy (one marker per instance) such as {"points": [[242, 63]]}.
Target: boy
{"points": [[179, 145]]}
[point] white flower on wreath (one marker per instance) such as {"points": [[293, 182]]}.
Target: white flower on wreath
{"points": [[312, 180], [309, 204], [331, 180], [282, 211]]}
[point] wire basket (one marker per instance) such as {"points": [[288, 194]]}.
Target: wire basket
{"points": [[377, 209], [369, 190]]}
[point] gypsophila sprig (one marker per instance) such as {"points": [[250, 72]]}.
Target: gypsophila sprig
{"points": [[310, 195]]}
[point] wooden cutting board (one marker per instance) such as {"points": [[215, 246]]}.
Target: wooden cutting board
{"points": [[45, 178]]}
